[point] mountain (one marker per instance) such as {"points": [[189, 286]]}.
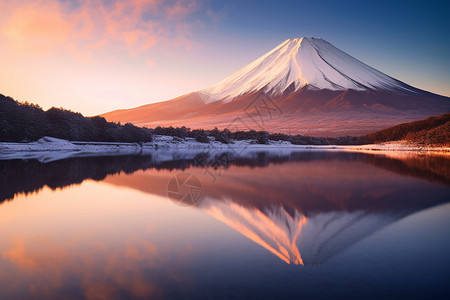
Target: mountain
{"points": [[305, 86]]}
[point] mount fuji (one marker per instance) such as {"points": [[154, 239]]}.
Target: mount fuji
{"points": [[303, 86]]}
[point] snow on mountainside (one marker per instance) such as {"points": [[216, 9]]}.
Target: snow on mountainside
{"points": [[301, 62]]}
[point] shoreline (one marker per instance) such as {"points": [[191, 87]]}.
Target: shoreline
{"points": [[166, 148]]}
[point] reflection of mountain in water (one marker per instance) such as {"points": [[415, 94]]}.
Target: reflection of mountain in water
{"points": [[316, 206], [304, 207], [298, 239]]}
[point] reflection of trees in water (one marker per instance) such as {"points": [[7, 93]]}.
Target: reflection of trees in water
{"points": [[18, 176], [430, 167], [25, 176]]}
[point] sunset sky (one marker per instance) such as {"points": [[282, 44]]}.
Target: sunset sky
{"points": [[95, 56]]}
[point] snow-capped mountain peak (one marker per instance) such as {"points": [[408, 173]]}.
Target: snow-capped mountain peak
{"points": [[301, 62]]}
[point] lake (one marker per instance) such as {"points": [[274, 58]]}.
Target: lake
{"points": [[302, 224]]}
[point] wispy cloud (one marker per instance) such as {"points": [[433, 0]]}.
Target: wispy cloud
{"points": [[86, 27]]}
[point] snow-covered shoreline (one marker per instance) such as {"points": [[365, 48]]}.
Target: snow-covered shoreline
{"points": [[168, 148]]}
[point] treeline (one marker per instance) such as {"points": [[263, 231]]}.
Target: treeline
{"points": [[29, 122], [261, 137], [430, 131]]}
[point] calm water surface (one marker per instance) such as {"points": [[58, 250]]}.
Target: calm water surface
{"points": [[309, 224]]}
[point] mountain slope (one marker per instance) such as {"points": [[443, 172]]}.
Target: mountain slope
{"points": [[303, 86], [166, 110]]}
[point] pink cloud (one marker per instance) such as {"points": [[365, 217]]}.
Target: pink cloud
{"points": [[92, 26], [181, 9], [31, 27], [149, 62]]}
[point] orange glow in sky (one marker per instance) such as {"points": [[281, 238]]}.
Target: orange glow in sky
{"points": [[94, 56]]}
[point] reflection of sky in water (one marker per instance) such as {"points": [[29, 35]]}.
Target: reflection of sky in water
{"points": [[364, 228], [88, 240]]}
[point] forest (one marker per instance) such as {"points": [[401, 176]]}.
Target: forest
{"points": [[24, 122], [430, 131]]}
